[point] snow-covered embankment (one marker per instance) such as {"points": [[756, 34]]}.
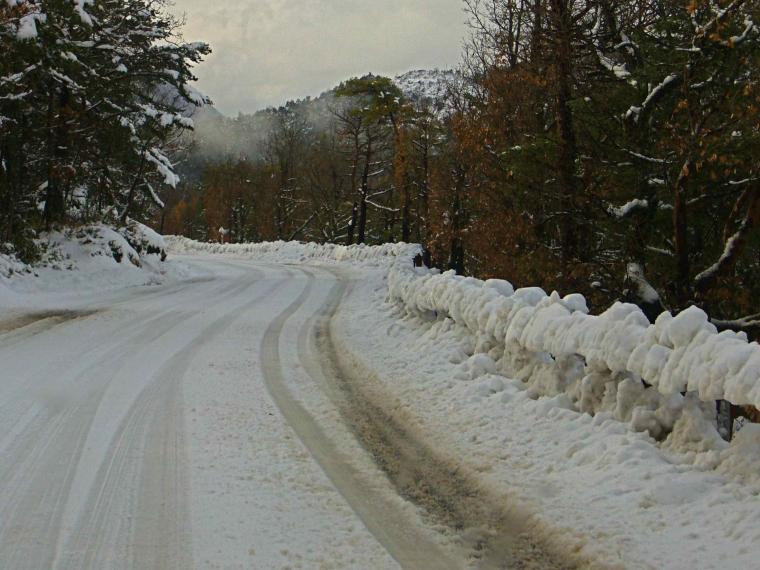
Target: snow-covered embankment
{"points": [[553, 345], [547, 403], [83, 261]]}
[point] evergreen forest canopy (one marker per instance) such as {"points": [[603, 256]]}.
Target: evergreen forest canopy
{"points": [[92, 93], [604, 147]]}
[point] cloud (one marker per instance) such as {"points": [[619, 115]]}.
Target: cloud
{"points": [[269, 51]]}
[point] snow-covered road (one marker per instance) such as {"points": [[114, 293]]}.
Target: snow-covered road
{"points": [[198, 425], [136, 432]]}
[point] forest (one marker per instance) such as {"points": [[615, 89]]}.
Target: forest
{"points": [[602, 147], [606, 148]]}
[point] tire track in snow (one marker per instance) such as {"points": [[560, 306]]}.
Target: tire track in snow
{"points": [[42, 457], [27, 393], [406, 543], [136, 515], [42, 460], [495, 530]]}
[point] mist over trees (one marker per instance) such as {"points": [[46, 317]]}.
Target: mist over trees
{"points": [[343, 167], [602, 147]]}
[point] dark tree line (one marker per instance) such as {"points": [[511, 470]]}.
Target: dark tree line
{"points": [[620, 140]]}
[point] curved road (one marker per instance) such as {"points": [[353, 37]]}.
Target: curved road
{"points": [[204, 425]]}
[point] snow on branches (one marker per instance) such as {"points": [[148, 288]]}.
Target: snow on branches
{"points": [[84, 84]]}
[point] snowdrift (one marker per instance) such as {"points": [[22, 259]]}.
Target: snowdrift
{"points": [[9, 266], [296, 252], [92, 257], [554, 345]]}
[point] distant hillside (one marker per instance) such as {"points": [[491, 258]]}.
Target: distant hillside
{"points": [[426, 83], [417, 85], [218, 138]]}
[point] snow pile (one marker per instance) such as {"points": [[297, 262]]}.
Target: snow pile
{"points": [[128, 245], [743, 457], [553, 345], [297, 252], [96, 241], [596, 482], [88, 258], [9, 265], [621, 212], [144, 240]]}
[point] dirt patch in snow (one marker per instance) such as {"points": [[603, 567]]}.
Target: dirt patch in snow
{"points": [[42, 320], [498, 533]]}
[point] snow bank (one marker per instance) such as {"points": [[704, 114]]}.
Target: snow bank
{"points": [[131, 244], [550, 341], [554, 345], [296, 252], [590, 483], [9, 266], [662, 378], [85, 259]]}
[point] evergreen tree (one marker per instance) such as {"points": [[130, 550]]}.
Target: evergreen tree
{"points": [[90, 95]]}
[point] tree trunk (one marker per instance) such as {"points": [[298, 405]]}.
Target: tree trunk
{"points": [[423, 207], [406, 228], [352, 190], [568, 151], [680, 235], [352, 224], [402, 181], [456, 255], [362, 230], [132, 190], [54, 203], [536, 39]]}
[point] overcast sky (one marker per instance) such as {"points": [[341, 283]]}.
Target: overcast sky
{"points": [[269, 51]]}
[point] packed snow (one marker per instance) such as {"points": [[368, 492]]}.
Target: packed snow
{"points": [[294, 252]]}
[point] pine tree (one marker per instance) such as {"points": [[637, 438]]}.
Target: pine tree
{"points": [[91, 93]]}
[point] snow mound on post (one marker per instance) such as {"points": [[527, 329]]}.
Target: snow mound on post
{"points": [[743, 457]]}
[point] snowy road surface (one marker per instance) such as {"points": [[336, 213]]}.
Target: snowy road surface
{"points": [[201, 425], [274, 406]]}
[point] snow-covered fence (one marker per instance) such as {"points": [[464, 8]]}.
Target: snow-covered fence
{"points": [[553, 343], [279, 251]]}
